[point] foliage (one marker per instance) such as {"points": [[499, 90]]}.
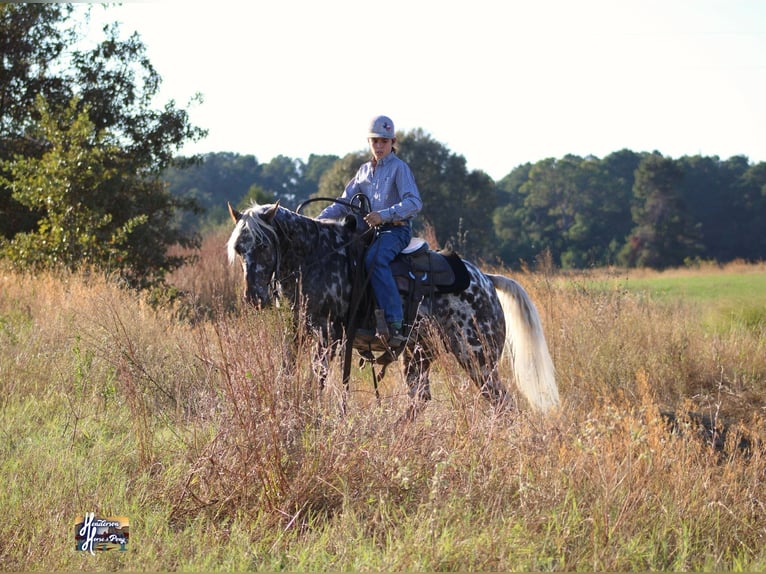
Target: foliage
{"points": [[628, 208], [663, 236], [218, 178], [82, 148], [72, 184], [632, 209]]}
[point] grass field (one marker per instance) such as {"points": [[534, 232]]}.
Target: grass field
{"points": [[724, 296], [187, 421]]}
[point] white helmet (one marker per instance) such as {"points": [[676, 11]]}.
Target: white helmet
{"points": [[381, 127]]}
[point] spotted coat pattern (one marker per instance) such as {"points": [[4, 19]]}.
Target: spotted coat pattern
{"points": [[307, 262]]}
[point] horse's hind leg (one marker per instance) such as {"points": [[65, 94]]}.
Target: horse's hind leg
{"points": [[484, 373], [493, 389]]}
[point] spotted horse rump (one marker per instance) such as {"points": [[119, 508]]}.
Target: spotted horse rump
{"points": [[313, 263]]}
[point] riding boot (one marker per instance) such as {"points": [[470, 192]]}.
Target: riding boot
{"points": [[396, 336]]}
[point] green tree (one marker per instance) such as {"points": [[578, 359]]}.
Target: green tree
{"points": [[77, 184], [311, 175], [81, 149], [514, 243], [280, 178], [217, 178], [711, 189], [29, 41], [549, 209], [458, 204], [620, 169], [577, 209], [334, 180], [751, 205], [256, 194], [663, 235]]}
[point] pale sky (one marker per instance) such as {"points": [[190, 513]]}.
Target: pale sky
{"points": [[500, 83]]}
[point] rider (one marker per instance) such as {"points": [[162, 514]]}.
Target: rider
{"points": [[394, 201]]}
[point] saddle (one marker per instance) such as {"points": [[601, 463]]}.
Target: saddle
{"points": [[419, 273], [418, 268]]}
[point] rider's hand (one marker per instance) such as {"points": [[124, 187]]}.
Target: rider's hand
{"points": [[373, 219]]}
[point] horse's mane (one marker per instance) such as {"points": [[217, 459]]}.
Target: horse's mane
{"points": [[254, 226]]}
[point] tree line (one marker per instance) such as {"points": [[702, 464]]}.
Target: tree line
{"points": [[90, 175], [633, 209]]}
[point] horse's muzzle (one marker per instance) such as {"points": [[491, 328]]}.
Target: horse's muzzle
{"points": [[257, 300]]}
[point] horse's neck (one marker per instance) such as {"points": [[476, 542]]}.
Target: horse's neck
{"points": [[300, 238], [314, 251]]}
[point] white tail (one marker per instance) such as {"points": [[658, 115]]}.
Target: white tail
{"points": [[526, 345]]}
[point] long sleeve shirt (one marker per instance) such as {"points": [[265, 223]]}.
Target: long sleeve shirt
{"points": [[390, 187]]}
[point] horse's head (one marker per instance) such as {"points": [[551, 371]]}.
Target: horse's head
{"points": [[254, 241]]}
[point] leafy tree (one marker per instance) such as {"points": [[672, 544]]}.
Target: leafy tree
{"points": [[78, 184], [577, 209], [334, 180], [81, 149], [514, 243], [602, 218], [551, 200], [228, 177], [280, 178], [620, 169], [663, 235], [256, 194], [29, 42], [751, 205], [311, 175], [458, 204], [715, 199]]}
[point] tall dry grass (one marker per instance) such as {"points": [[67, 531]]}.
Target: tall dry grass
{"points": [[212, 435]]}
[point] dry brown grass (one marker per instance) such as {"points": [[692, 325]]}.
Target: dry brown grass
{"points": [[211, 283], [218, 422]]}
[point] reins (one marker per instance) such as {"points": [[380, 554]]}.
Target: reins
{"points": [[358, 283], [362, 209]]}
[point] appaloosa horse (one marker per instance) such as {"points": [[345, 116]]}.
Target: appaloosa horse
{"points": [[310, 262]]}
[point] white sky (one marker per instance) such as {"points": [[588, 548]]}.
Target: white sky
{"points": [[499, 82]]}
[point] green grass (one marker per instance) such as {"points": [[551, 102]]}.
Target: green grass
{"points": [[722, 300]]}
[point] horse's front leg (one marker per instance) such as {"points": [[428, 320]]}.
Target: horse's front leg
{"points": [[323, 353], [320, 364], [417, 364]]}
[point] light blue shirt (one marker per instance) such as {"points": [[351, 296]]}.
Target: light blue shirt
{"points": [[390, 187]]}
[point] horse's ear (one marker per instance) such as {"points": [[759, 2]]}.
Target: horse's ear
{"points": [[268, 217], [235, 215]]}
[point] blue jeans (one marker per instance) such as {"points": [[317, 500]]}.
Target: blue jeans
{"points": [[390, 241]]}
